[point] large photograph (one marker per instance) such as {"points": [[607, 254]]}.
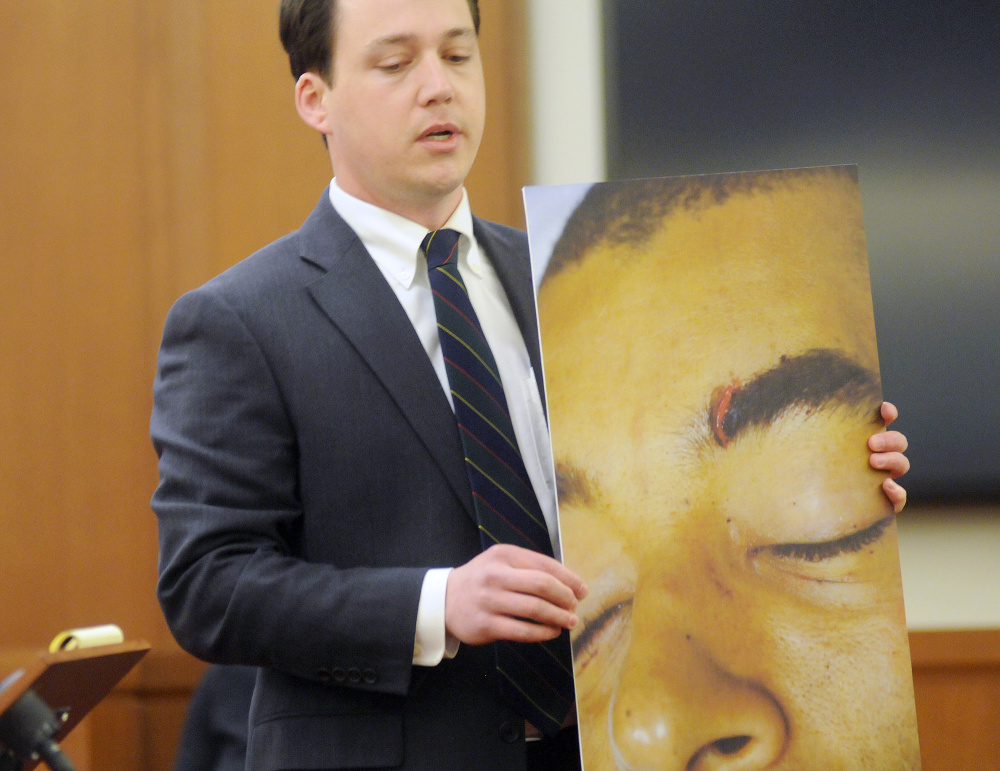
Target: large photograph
{"points": [[712, 379]]}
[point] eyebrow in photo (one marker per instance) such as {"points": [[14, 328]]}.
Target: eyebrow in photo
{"points": [[810, 380]]}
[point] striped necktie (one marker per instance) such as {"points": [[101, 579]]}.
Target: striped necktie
{"points": [[535, 678]]}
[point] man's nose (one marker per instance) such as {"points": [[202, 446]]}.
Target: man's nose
{"points": [[677, 707], [435, 84]]}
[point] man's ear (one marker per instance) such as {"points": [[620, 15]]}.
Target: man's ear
{"points": [[310, 101]]}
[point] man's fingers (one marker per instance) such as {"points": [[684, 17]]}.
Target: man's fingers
{"points": [[887, 455], [889, 412], [516, 630], [888, 441], [534, 609], [895, 463], [478, 616], [510, 593], [527, 559], [538, 584], [895, 493]]}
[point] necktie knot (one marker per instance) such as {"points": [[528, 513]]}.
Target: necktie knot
{"points": [[441, 247]]}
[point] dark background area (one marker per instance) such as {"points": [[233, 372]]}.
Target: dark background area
{"points": [[908, 91]]}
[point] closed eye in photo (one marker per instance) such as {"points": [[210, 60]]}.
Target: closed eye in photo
{"points": [[826, 550], [605, 627]]}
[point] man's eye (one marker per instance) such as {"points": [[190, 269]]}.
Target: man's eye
{"points": [[816, 552], [608, 622], [391, 66]]}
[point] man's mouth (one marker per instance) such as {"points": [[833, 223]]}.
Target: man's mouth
{"points": [[440, 133]]}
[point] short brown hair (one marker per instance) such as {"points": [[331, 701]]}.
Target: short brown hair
{"points": [[307, 29]]}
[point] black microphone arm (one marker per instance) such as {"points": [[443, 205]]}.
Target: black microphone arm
{"points": [[27, 728]]}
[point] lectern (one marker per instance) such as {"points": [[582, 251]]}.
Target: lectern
{"points": [[43, 700]]}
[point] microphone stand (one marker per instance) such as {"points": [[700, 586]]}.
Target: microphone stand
{"points": [[27, 729]]}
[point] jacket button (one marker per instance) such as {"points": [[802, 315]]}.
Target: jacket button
{"points": [[510, 732], [370, 676], [339, 675], [354, 675], [323, 675]]}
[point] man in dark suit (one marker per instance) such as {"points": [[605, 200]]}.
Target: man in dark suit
{"points": [[316, 517]]}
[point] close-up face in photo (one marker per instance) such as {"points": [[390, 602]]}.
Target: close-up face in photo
{"points": [[711, 389]]}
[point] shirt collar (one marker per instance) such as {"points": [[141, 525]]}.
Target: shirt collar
{"points": [[394, 241]]}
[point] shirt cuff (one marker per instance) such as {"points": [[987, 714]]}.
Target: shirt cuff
{"points": [[431, 642]]}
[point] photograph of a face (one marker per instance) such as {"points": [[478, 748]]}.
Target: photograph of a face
{"points": [[712, 380]]}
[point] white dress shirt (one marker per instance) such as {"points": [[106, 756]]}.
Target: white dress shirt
{"points": [[394, 244]]}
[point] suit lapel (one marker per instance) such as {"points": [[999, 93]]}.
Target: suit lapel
{"points": [[354, 295]]}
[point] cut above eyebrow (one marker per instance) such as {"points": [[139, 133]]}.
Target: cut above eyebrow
{"points": [[810, 380], [573, 486]]}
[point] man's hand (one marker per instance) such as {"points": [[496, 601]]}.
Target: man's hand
{"points": [[510, 593], [887, 455]]}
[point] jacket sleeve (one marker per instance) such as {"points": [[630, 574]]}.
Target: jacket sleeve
{"points": [[231, 584]]}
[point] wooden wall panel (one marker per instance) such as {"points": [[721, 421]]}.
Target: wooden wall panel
{"points": [[118, 735], [75, 467], [956, 682], [503, 165]]}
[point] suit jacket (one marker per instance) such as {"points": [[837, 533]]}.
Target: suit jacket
{"points": [[311, 471]]}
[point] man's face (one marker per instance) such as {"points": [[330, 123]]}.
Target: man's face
{"points": [[407, 103], [745, 609]]}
